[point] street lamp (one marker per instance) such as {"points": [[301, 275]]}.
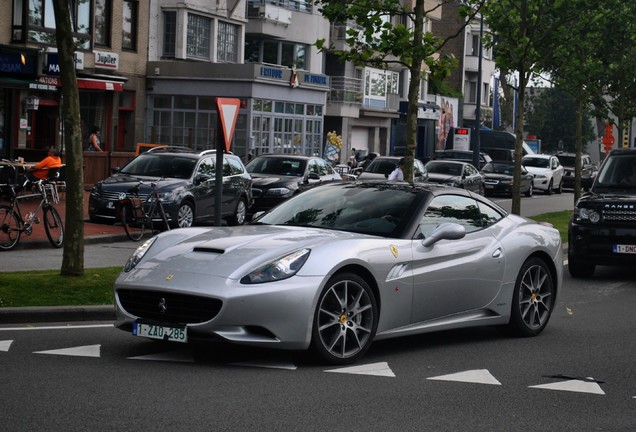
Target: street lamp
{"points": [[477, 147]]}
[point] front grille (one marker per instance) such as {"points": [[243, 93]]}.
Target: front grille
{"points": [[179, 308], [619, 215], [114, 196]]}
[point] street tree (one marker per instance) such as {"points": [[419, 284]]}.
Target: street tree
{"points": [[390, 33], [73, 256]]}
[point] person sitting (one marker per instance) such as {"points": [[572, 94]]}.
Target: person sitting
{"points": [[40, 171]]}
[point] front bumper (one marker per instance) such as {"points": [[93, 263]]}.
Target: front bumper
{"points": [[105, 209], [595, 245]]}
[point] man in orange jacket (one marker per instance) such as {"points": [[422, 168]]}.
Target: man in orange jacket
{"points": [[42, 168]]}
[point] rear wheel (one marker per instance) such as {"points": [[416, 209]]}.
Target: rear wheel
{"points": [[53, 227], [134, 227], [346, 319], [238, 218], [533, 299], [9, 228]]}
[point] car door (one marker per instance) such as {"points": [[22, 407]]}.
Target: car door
{"points": [[327, 173], [472, 178], [557, 171], [455, 276], [233, 183], [204, 186]]}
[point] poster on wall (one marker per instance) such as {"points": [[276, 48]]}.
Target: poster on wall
{"points": [[447, 119]]}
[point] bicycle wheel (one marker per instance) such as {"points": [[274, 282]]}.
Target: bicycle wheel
{"points": [[53, 226], [134, 227], [9, 228]]}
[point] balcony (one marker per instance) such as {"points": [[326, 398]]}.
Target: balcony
{"points": [[345, 90]]}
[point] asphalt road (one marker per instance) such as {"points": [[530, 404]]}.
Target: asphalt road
{"points": [[578, 375]]}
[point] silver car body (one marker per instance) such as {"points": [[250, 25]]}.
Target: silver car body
{"points": [[419, 288]]}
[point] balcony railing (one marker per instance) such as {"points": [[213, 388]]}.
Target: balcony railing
{"points": [[345, 90], [293, 5]]}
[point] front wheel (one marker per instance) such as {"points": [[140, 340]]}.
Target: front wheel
{"points": [[9, 228], [238, 218], [53, 227], [346, 319], [560, 188], [533, 299], [529, 191], [185, 215], [549, 190], [134, 227]]}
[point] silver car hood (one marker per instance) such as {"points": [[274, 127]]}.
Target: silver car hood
{"points": [[232, 252]]}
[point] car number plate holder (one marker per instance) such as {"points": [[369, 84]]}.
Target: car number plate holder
{"points": [[624, 249], [161, 332]]}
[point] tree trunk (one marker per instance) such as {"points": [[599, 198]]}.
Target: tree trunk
{"points": [[73, 257]]}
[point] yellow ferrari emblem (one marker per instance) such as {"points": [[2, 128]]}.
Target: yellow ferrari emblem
{"points": [[394, 250], [169, 277]]}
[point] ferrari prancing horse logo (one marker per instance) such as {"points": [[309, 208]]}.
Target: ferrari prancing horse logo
{"points": [[169, 277], [394, 250]]}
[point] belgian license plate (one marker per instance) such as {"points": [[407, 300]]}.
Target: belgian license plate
{"points": [[488, 186], [110, 204], [625, 249], [153, 331]]}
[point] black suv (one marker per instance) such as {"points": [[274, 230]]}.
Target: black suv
{"points": [[588, 169], [602, 230], [186, 186]]}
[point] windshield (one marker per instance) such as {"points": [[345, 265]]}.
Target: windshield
{"points": [[499, 168], [536, 162], [160, 166], [381, 166], [617, 170], [567, 161], [376, 209], [447, 168], [277, 166]]}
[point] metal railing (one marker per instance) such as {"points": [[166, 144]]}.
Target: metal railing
{"points": [[345, 90]]}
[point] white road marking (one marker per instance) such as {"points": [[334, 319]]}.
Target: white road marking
{"points": [[271, 364], [174, 356], [375, 369], [66, 327], [81, 351], [477, 376], [4, 345], [573, 386]]}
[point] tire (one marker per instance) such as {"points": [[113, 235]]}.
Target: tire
{"points": [[9, 228], [345, 320], [185, 216], [532, 300], [560, 188], [240, 213], [549, 190], [577, 269], [134, 227], [529, 191], [482, 190], [53, 227]]}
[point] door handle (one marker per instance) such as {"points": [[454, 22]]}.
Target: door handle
{"points": [[497, 253]]}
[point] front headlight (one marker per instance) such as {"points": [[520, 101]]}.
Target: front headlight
{"points": [[279, 192], [540, 176], [586, 215], [138, 254], [95, 191], [279, 269], [167, 196]]}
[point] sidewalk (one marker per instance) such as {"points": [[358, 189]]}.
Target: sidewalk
{"points": [[93, 232]]}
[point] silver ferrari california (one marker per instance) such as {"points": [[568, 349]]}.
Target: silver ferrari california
{"points": [[342, 265]]}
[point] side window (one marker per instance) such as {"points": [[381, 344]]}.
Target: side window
{"points": [[206, 167], [489, 215], [313, 167], [324, 168], [451, 208], [227, 169], [236, 167]]}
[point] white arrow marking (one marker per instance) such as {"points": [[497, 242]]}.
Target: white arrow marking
{"points": [[376, 369], [573, 386], [477, 376], [82, 351], [175, 356], [4, 345], [271, 364]]}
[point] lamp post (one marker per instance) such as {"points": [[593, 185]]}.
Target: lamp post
{"points": [[477, 147]]}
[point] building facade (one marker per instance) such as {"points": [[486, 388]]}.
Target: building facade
{"points": [[110, 64]]}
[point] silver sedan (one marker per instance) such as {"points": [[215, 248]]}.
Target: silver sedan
{"points": [[344, 264]]}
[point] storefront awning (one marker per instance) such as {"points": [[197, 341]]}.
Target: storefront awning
{"points": [[94, 84]]}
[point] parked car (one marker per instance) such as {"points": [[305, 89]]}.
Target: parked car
{"points": [[341, 265], [457, 174], [588, 169], [462, 155], [381, 166], [499, 179], [547, 171], [602, 230], [277, 177], [185, 182]]}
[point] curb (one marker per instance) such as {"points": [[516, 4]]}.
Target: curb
{"points": [[45, 244], [23, 315]]}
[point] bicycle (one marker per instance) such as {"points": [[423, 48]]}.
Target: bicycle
{"points": [[134, 216], [13, 224]]}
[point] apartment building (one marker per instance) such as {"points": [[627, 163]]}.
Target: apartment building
{"points": [[111, 38]]}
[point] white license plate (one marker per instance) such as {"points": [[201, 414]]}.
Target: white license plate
{"points": [[174, 334], [625, 249], [489, 186], [110, 204]]}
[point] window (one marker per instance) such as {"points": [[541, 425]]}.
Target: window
{"points": [[379, 83], [101, 35], [276, 52], [227, 42], [169, 33], [451, 208], [470, 91], [129, 25], [198, 40], [40, 21]]}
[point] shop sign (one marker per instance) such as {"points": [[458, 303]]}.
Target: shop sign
{"points": [[106, 60], [52, 63], [18, 63]]}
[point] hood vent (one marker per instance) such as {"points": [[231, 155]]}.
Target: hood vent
{"points": [[208, 250]]}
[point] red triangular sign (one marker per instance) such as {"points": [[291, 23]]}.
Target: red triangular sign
{"points": [[228, 113]]}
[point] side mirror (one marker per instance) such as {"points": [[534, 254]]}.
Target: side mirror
{"points": [[115, 170], [313, 176], [446, 231], [201, 178]]}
